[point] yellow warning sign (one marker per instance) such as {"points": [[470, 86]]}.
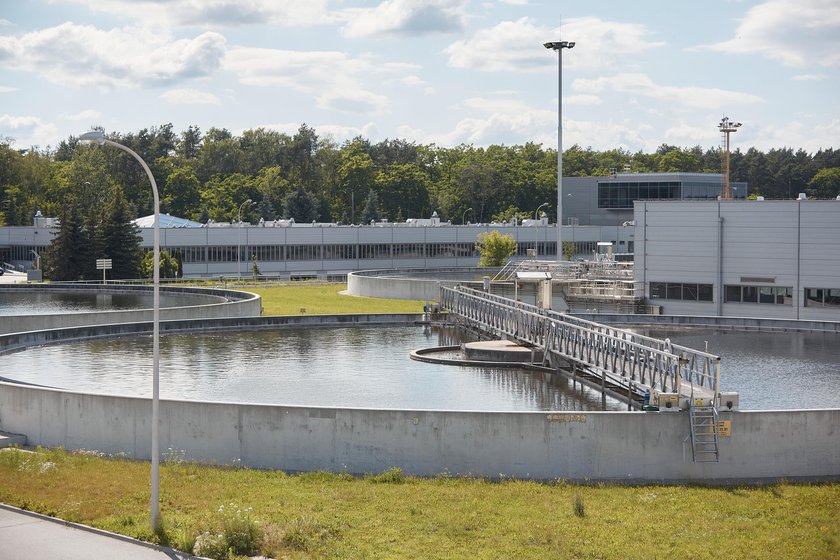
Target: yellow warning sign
{"points": [[724, 428]]}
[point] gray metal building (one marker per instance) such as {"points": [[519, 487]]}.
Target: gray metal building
{"points": [[769, 259], [608, 200]]}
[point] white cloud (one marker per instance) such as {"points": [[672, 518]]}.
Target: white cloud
{"points": [[416, 81], [518, 45], [582, 100], [7, 89], [797, 33], [502, 121], [214, 13], [187, 96], [84, 56], [337, 80], [809, 77], [405, 17], [86, 115], [28, 130], [642, 85]]}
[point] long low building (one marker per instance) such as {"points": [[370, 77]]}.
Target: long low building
{"points": [[595, 209], [328, 251]]}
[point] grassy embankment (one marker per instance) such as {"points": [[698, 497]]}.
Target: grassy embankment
{"points": [[320, 515], [320, 299]]}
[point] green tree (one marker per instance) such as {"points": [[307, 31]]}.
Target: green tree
{"points": [[403, 189], [371, 211], [301, 206], [494, 248], [118, 238], [569, 249], [825, 184], [181, 195], [255, 267], [169, 266], [69, 256], [356, 175]]}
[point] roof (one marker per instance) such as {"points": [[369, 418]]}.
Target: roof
{"points": [[166, 221]]}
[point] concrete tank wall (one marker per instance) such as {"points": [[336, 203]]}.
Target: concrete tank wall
{"points": [[422, 284], [609, 446], [230, 303]]}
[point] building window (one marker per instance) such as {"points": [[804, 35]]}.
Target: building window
{"points": [[822, 297], [759, 294], [680, 291]]}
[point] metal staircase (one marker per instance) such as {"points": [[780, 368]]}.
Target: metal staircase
{"points": [[704, 434]]}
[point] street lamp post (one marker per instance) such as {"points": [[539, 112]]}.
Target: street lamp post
{"points": [[239, 239], [559, 46], [464, 216], [98, 137], [537, 230]]}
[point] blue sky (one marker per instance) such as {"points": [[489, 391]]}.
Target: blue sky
{"points": [[642, 73]]}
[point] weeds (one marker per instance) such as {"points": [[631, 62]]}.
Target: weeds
{"points": [[578, 507], [235, 532], [394, 475]]}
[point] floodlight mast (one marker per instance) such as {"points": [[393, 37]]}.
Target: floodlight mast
{"points": [[726, 127], [559, 46]]}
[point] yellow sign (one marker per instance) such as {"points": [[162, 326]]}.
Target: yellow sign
{"points": [[724, 428]]}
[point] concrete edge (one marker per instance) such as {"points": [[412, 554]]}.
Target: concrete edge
{"points": [[100, 532]]}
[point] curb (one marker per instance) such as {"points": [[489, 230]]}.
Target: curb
{"points": [[101, 532]]}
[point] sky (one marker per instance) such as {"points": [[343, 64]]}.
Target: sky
{"points": [[444, 72]]}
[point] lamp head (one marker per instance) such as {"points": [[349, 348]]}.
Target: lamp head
{"points": [[94, 136], [557, 45]]}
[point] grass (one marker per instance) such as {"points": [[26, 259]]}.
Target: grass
{"points": [[392, 515], [320, 299]]}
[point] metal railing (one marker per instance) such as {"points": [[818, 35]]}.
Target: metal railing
{"points": [[625, 357]]}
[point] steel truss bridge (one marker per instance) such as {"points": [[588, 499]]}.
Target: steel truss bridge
{"points": [[626, 363]]}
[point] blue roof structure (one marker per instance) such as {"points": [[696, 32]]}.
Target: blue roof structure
{"points": [[166, 221]]}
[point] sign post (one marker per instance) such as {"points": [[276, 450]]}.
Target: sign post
{"points": [[103, 265]]}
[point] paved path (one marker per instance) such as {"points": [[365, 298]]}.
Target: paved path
{"points": [[29, 536]]}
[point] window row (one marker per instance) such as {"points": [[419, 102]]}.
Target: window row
{"points": [[681, 291], [758, 294], [275, 253], [822, 297]]}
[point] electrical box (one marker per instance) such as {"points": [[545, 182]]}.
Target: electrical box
{"points": [[669, 402], [701, 401], [728, 401]]}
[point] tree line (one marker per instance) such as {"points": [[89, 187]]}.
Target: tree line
{"points": [[210, 175]]}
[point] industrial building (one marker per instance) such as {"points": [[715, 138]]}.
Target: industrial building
{"points": [[768, 259]]}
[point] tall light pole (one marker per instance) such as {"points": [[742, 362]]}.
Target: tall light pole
{"points": [[98, 137], [559, 46], [726, 127], [239, 239], [537, 230], [464, 216]]}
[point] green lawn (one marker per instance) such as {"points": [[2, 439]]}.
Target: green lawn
{"points": [[321, 299], [321, 515]]}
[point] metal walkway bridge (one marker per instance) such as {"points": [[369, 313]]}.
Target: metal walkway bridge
{"points": [[631, 362]]}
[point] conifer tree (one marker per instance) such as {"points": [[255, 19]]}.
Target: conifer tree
{"points": [[118, 238]]}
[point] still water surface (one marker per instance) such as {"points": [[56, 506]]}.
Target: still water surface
{"points": [[370, 367], [347, 367], [780, 370], [49, 303]]}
